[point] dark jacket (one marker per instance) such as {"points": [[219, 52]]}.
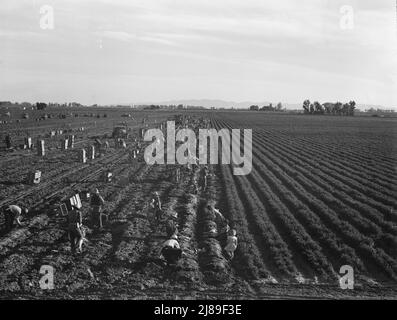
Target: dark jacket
{"points": [[75, 219], [97, 200]]}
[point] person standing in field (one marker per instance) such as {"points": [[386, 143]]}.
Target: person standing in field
{"points": [[8, 141], [97, 203], [222, 224], [231, 243], [177, 174], [204, 179], [155, 204], [195, 185], [75, 229], [13, 213]]}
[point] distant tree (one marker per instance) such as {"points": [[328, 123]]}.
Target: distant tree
{"points": [[352, 106], [279, 106], [328, 107], [26, 104], [5, 103], [306, 106], [338, 108], [254, 108], [311, 109], [318, 108], [41, 105], [345, 109], [267, 108]]}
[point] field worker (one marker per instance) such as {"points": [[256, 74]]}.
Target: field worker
{"points": [[116, 142], [98, 144], [231, 243], [75, 229], [156, 205], [13, 213], [210, 230], [195, 185], [133, 154], [177, 174], [96, 203], [171, 250], [204, 178], [8, 141], [192, 161], [222, 224]]}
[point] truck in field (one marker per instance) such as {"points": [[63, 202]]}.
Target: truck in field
{"points": [[120, 131]]}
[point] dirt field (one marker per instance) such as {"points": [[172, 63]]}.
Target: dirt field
{"points": [[321, 194]]}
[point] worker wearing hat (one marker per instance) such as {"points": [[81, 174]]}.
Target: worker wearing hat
{"points": [[75, 229], [13, 213], [156, 206], [96, 203]]}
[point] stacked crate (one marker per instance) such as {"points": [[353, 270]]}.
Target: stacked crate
{"points": [[41, 148], [34, 177], [83, 156]]}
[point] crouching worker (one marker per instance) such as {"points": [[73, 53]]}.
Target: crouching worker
{"points": [[231, 245], [171, 250], [13, 213], [75, 229]]}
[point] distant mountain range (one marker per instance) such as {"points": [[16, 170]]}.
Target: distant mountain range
{"points": [[209, 103]]}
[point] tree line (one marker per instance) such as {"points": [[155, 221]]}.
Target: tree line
{"points": [[270, 107], [338, 108]]}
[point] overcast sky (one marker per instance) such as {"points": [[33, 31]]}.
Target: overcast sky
{"points": [[122, 51]]}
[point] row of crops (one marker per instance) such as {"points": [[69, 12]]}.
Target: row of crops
{"points": [[306, 209]]}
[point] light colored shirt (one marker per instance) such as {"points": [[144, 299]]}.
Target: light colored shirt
{"points": [[218, 215], [231, 245], [172, 243], [221, 222], [156, 203], [16, 211]]}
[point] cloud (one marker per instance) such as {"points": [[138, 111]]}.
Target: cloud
{"points": [[204, 44], [129, 37]]}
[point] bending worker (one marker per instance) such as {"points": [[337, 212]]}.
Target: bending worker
{"points": [[13, 213], [222, 224], [171, 250]]}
